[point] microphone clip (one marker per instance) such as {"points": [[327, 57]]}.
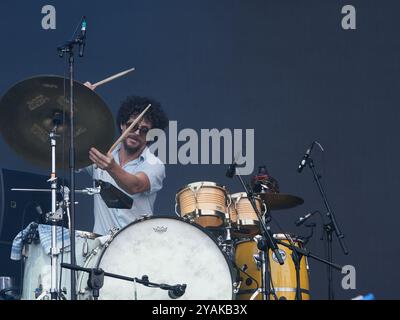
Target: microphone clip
{"points": [[177, 291], [231, 172], [303, 219]]}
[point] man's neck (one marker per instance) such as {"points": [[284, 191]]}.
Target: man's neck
{"points": [[125, 156]]}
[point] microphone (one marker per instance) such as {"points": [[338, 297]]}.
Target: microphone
{"points": [[230, 173], [82, 37], [83, 27], [177, 291], [301, 220], [303, 162]]}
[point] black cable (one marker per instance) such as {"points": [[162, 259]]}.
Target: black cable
{"points": [[271, 282], [306, 239], [257, 284]]}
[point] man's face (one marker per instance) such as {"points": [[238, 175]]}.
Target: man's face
{"points": [[136, 139]]}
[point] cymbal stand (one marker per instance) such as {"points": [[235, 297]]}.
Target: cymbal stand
{"points": [[54, 216]]}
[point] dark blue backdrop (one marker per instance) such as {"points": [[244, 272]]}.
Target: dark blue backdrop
{"points": [[286, 69]]}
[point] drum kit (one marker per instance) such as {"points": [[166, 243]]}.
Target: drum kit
{"points": [[192, 249], [211, 247], [217, 247]]}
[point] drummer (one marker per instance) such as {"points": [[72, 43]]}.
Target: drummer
{"points": [[131, 167]]}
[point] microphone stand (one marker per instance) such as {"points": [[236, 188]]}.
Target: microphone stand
{"points": [[270, 242], [96, 280], [329, 228], [68, 48]]}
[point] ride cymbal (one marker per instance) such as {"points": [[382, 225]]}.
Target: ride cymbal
{"points": [[27, 112]]}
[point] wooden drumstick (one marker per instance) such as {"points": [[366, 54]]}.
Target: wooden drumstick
{"points": [[116, 76], [123, 136]]}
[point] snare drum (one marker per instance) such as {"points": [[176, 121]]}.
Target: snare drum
{"points": [[37, 266], [167, 250], [244, 219], [203, 202]]}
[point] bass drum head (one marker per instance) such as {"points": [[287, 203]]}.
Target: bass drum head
{"points": [[170, 251]]}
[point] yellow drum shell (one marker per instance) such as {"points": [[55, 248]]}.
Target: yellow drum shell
{"points": [[284, 276], [252, 279], [204, 202]]}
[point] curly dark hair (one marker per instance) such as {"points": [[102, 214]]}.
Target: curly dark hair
{"points": [[135, 105]]}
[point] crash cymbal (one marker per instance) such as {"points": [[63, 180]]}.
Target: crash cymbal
{"points": [[27, 111], [279, 201]]}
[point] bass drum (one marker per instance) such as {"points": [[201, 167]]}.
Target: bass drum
{"points": [[167, 250]]}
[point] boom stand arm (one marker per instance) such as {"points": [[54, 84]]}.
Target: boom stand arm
{"points": [[307, 253], [96, 280]]}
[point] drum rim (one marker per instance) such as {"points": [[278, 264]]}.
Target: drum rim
{"points": [[205, 184], [284, 236], [210, 235], [245, 239], [242, 195], [200, 213]]}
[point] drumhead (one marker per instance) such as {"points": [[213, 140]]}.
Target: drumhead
{"points": [[167, 250]]}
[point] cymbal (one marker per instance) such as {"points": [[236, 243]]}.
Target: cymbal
{"points": [[279, 201], [27, 111]]}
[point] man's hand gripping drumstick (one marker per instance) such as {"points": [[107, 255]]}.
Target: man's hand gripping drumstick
{"points": [[107, 162]]}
